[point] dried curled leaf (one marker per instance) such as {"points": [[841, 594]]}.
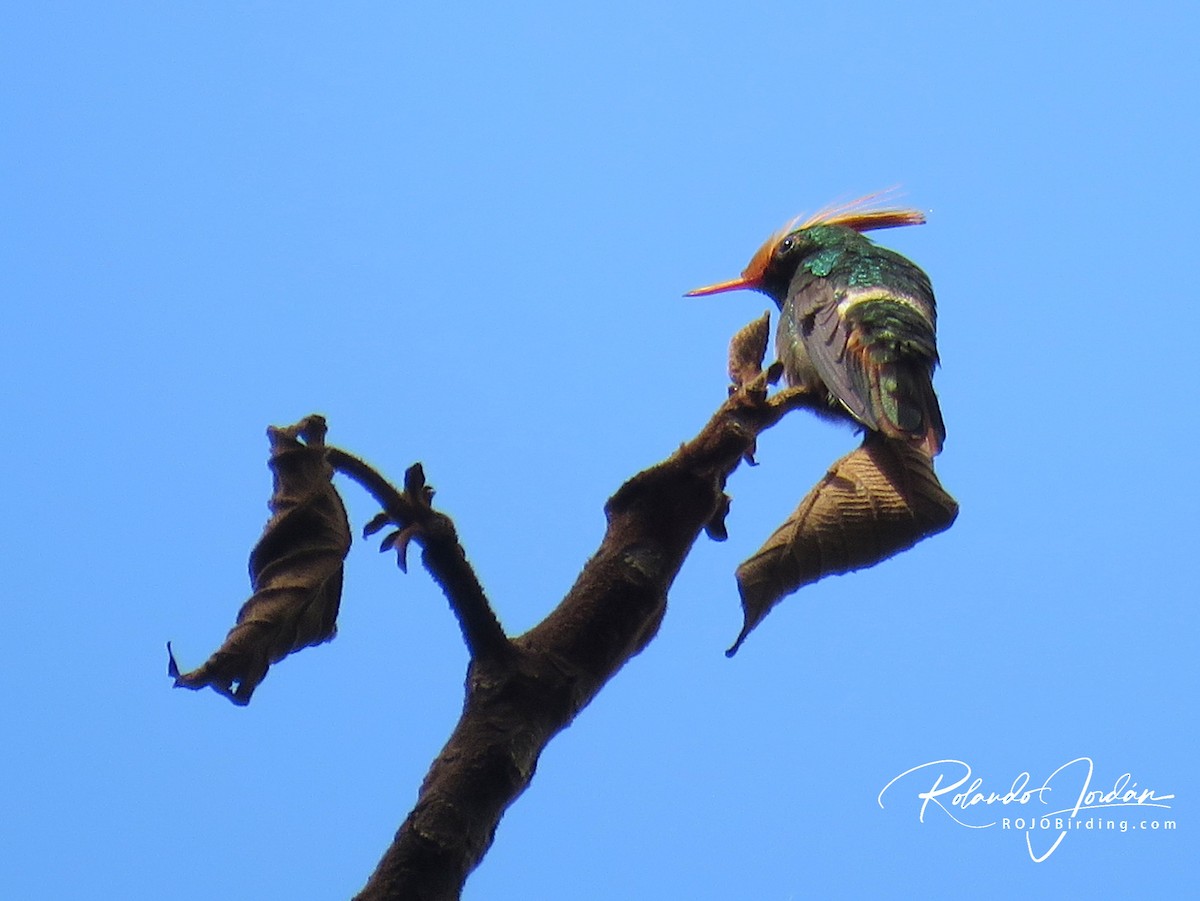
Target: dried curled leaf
{"points": [[873, 503], [295, 569], [747, 349]]}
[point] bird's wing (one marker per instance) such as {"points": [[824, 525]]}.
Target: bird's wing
{"points": [[826, 339], [874, 349]]}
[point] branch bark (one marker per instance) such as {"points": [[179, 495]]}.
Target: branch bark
{"points": [[517, 700]]}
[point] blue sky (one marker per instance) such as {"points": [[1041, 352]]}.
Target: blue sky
{"points": [[462, 233]]}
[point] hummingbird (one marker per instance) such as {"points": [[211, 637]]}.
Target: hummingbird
{"points": [[857, 321]]}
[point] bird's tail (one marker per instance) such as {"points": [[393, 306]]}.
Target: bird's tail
{"points": [[910, 408]]}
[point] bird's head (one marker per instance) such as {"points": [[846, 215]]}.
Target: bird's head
{"points": [[771, 268]]}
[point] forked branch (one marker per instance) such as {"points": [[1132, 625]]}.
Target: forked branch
{"points": [[516, 705], [520, 692]]}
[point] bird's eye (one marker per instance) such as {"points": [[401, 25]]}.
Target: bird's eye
{"points": [[785, 246]]}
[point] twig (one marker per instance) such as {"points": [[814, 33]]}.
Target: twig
{"points": [[442, 554]]}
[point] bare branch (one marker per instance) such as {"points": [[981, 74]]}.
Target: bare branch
{"points": [[515, 706], [413, 515], [520, 693]]}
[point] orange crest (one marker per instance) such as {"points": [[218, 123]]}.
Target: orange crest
{"points": [[861, 215]]}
